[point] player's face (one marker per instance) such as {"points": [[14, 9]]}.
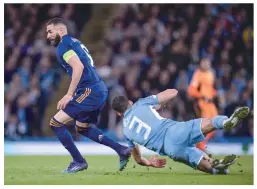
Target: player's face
{"points": [[205, 64], [53, 35]]}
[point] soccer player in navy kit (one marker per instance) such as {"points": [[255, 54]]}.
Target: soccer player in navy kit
{"points": [[143, 125], [84, 100]]}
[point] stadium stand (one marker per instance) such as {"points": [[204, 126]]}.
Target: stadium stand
{"points": [[32, 73], [148, 48], [153, 47]]}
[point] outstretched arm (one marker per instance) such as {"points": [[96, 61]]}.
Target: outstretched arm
{"points": [[153, 162], [164, 97]]}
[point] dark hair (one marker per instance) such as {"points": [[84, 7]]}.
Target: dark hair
{"points": [[205, 58], [55, 21], [120, 104]]}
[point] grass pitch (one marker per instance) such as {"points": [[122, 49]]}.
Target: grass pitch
{"points": [[102, 170]]}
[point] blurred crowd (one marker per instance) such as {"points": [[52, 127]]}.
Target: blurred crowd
{"points": [[32, 73], [150, 48]]}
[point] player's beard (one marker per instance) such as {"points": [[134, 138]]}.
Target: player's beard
{"points": [[57, 40]]}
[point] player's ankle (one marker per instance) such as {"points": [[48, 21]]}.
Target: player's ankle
{"points": [[226, 171], [225, 121]]}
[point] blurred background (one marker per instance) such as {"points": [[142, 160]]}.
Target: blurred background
{"points": [[138, 50]]}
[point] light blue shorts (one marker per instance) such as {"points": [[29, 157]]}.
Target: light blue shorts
{"points": [[180, 140]]}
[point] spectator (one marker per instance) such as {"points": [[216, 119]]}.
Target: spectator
{"points": [[30, 74], [148, 48], [170, 44]]}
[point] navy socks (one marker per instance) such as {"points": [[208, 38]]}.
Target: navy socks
{"points": [[65, 138], [97, 136]]}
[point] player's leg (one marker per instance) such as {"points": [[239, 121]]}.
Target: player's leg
{"points": [[202, 162], [98, 136], [208, 110], [65, 138], [191, 156], [84, 127], [223, 122], [212, 113], [202, 111], [85, 108], [205, 165], [221, 166]]}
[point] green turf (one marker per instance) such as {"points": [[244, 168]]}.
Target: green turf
{"points": [[45, 170]]}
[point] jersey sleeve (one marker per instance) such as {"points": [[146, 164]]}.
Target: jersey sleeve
{"points": [[67, 50], [150, 100], [68, 54], [130, 143]]}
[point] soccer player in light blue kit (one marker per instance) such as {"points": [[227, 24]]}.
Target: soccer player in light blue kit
{"points": [[143, 125]]}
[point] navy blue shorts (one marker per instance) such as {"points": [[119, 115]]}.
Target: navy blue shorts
{"points": [[86, 105]]}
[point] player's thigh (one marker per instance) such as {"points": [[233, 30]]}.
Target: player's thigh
{"points": [[178, 134], [195, 132], [61, 117], [207, 126], [190, 156]]}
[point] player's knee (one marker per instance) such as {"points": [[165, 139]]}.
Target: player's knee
{"points": [[80, 129], [55, 123], [206, 122], [206, 126]]}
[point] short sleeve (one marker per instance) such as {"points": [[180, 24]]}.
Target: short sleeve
{"points": [[68, 54], [130, 143], [150, 100]]}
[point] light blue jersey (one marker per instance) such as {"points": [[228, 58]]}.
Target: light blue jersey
{"points": [[143, 125]]}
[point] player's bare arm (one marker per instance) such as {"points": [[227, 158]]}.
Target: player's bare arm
{"points": [[77, 70], [153, 162], [165, 96]]}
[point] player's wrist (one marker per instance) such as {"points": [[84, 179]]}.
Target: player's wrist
{"points": [[150, 163]]}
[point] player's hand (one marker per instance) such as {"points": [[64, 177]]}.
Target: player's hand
{"points": [[160, 106], [157, 163], [64, 101]]}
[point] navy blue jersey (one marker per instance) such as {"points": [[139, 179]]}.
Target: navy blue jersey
{"points": [[69, 47]]}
